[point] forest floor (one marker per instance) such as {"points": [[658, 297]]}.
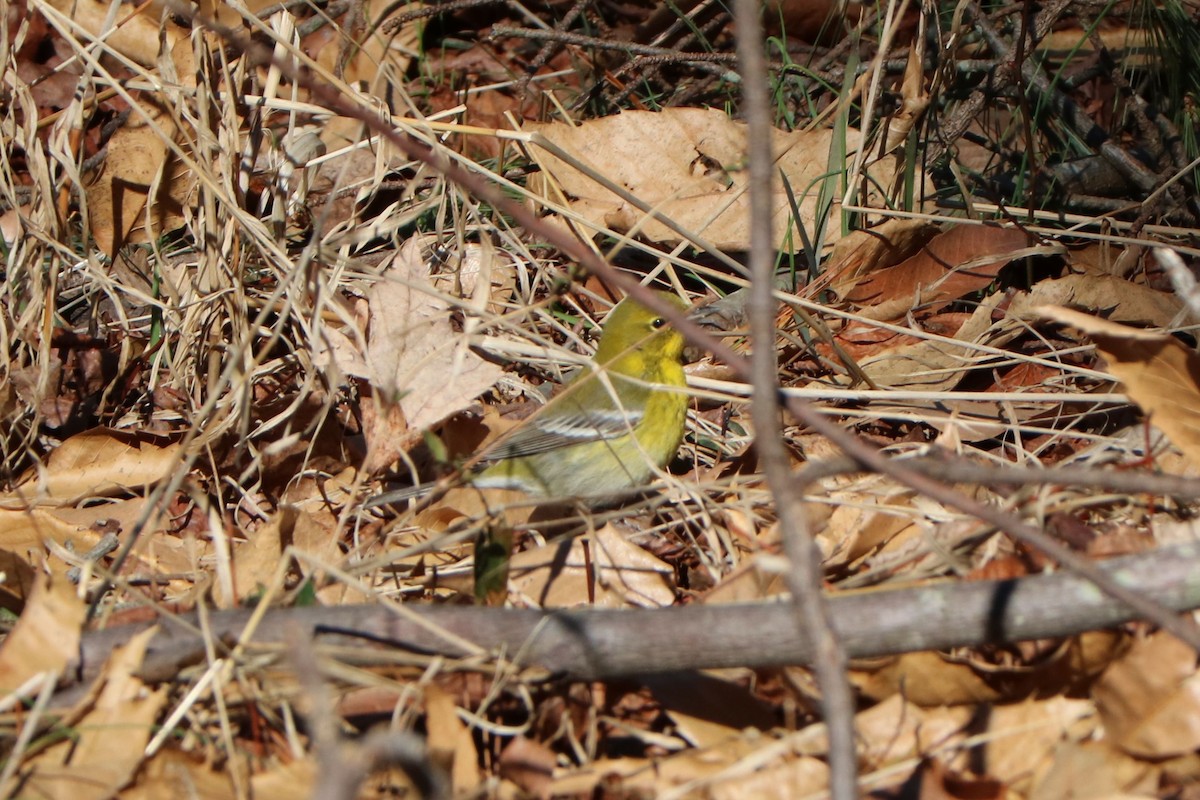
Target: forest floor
{"points": [[264, 261]]}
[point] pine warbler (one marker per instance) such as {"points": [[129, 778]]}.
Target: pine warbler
{"points": [[612, 426]]}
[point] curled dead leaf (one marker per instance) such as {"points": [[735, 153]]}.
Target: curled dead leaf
{"points": [[689, 164], [97, 463], [964, 259], [1157, 371]]}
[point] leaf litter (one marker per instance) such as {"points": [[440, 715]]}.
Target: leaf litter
{"points": [[313, 310]]}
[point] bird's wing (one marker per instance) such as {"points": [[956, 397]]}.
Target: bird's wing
{"points": [[547, 432]]}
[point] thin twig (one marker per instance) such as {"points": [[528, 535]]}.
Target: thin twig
{"points": [[580, 40], [548, 49], [805, 577], [426, 12]]}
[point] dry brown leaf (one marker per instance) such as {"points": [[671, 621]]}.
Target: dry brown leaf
{"points": [[1096, 258], [1170, 529], [450, 741], [977, 420], [138, 161], [781, 780], [256, 561], [11, 225], [317, 530], [529, 764], [914, 97], [1149, 700], [931, 364], [896, 729], [416, 358], [481, 273], [857, 526], [174, 774], [285, 782], [750, 581], [1118, 299], [1022, 736], [375, 56], [746, 583], [931, 679], [910, 542], [1156, 370], [707, 710], [25, 537], [690, 165], [46, 635], [874, 249], [340, 353], [110, 738], [468, 502], [342, 181], [1096, 769], [137, 34], [962, 260], [707, 772], [604, 570], [97, 463]]}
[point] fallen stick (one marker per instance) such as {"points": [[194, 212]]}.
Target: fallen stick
{"points": [[592, 644]]}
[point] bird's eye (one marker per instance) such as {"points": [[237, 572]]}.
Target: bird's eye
{"points": [[658, 322]]}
